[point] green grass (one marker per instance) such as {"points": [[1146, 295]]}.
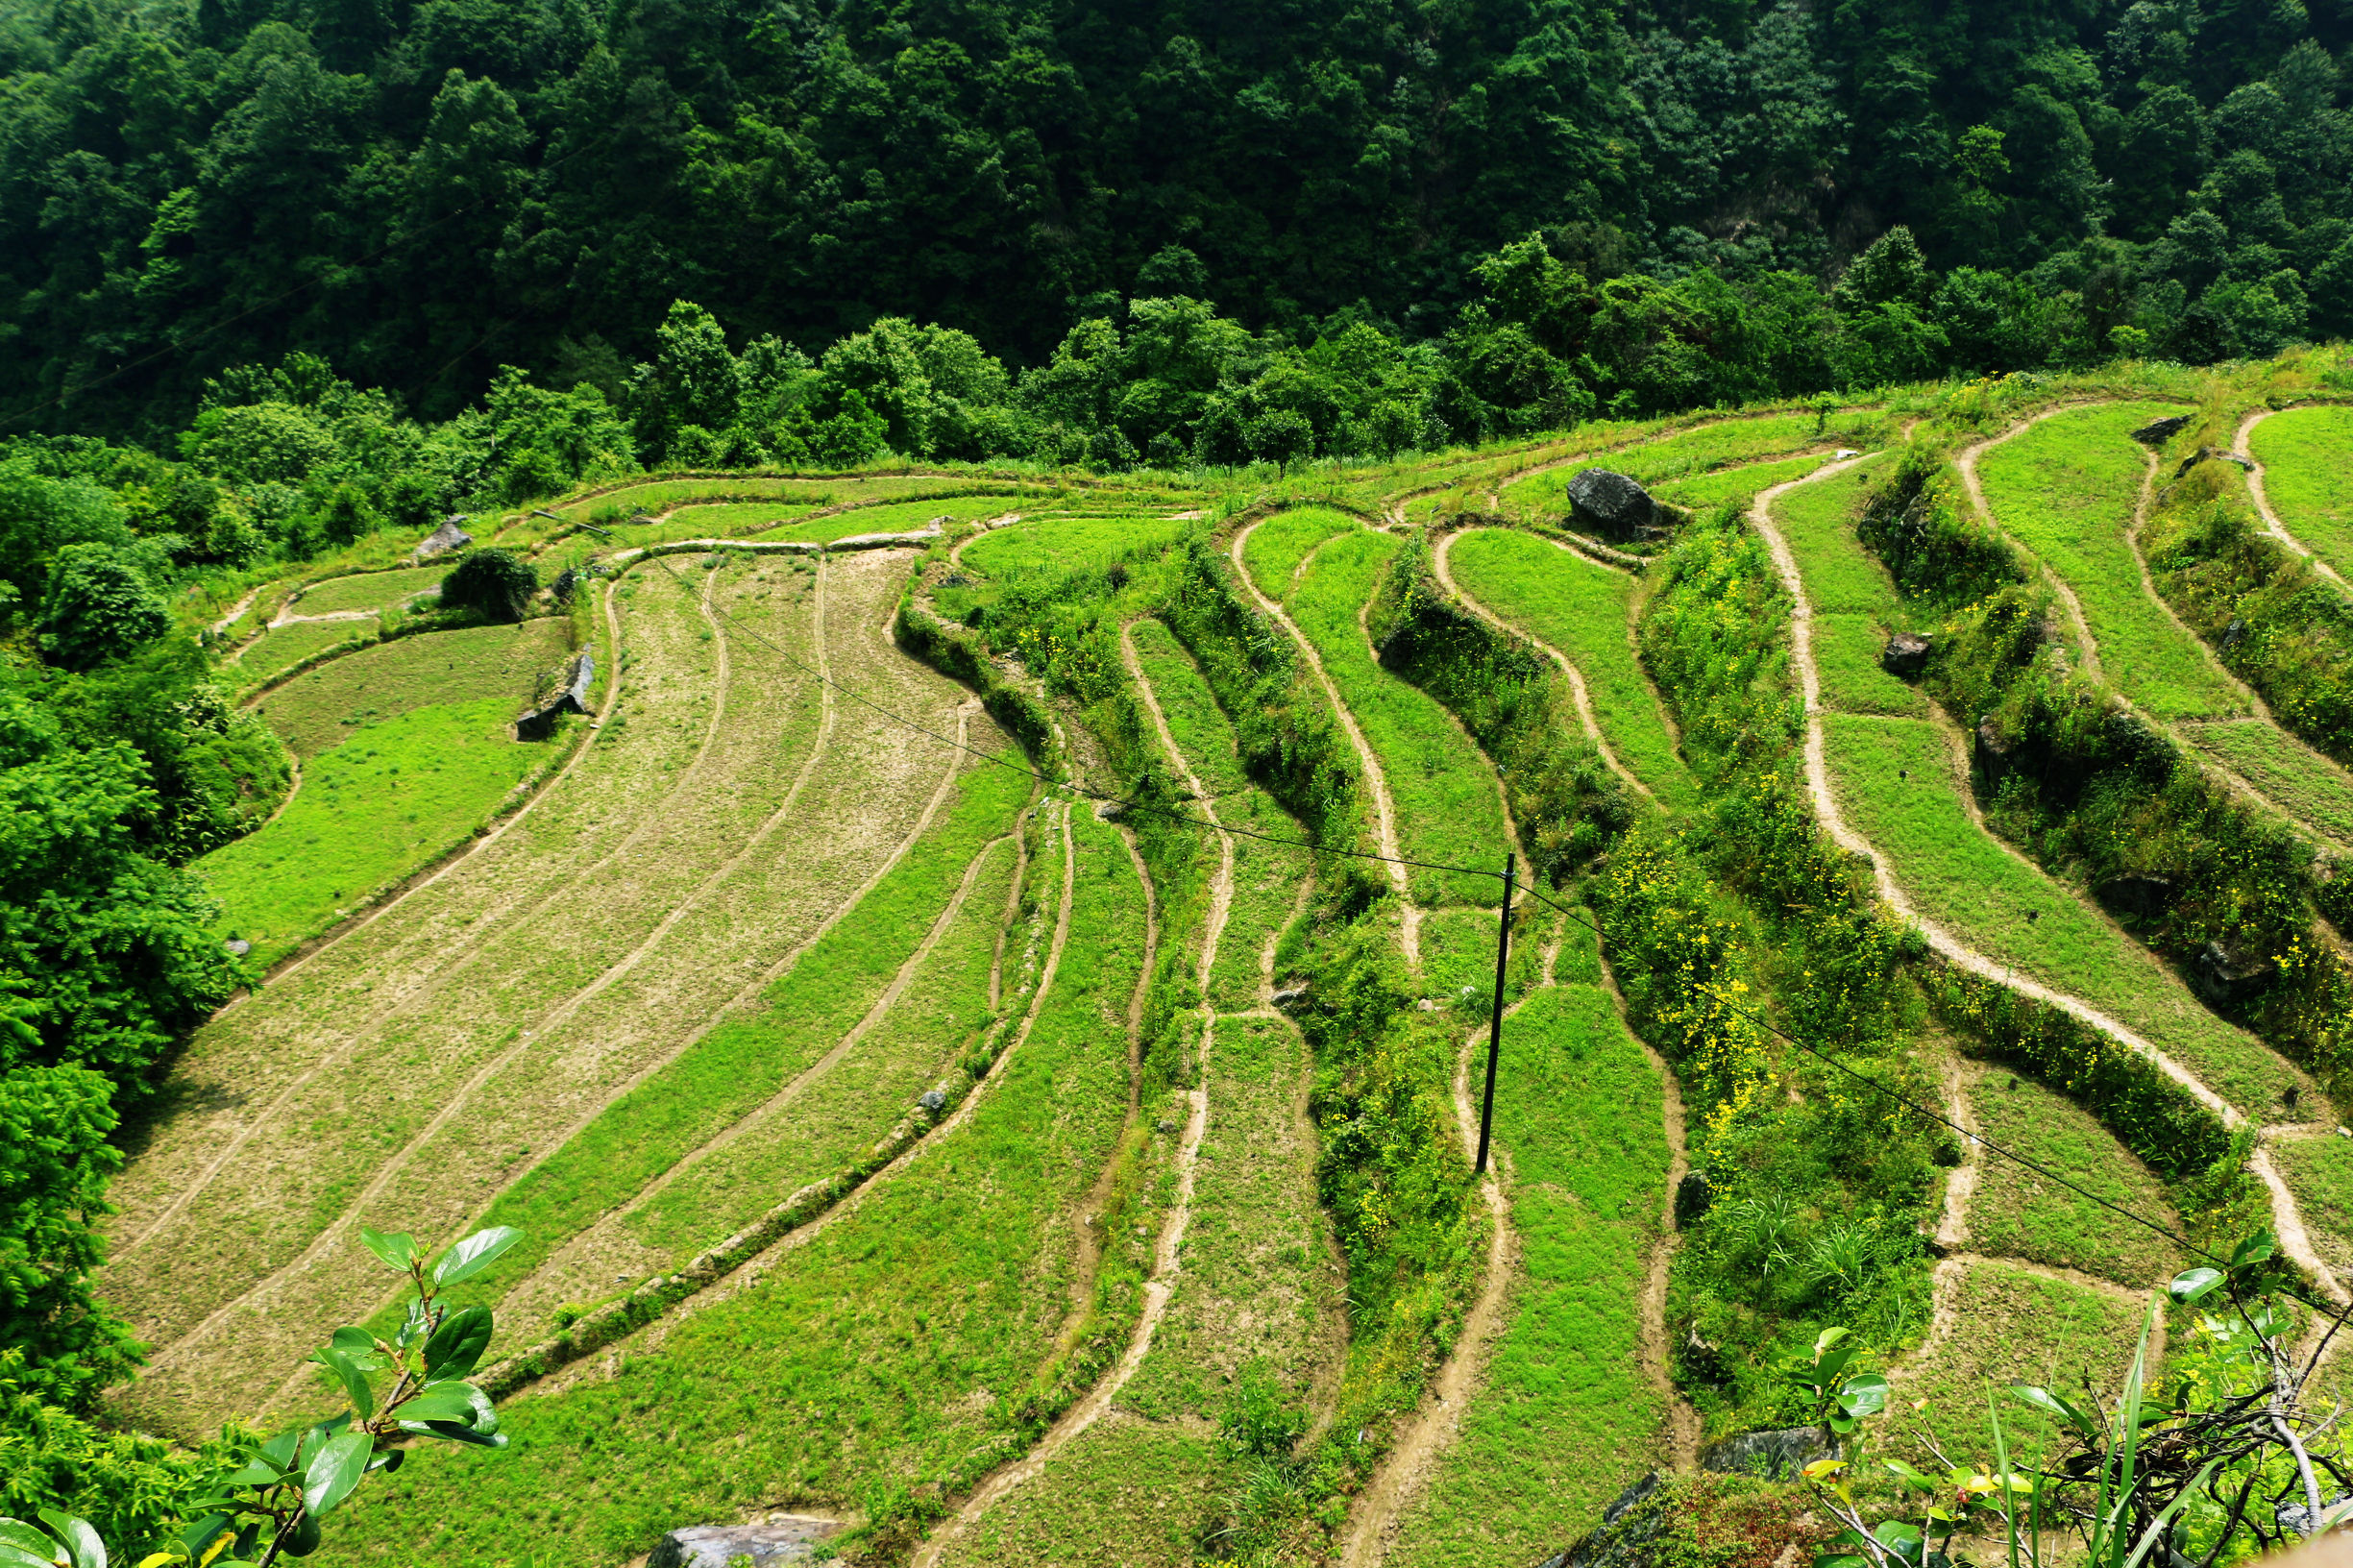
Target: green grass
{"points": [[1459, 959], [1565, 1418], [1448, 811], [1572, 604], [944, 1012], [1196, 724], [1051, 544], [2309, 789], [718, 520], [1854, 605], [1258, 1298], [658, 495], [1267, 876], [390, 799], [369, 590], [2009, 1327], [2306, 477], [889, 1352], [2016, 1212], [2066, 489], [282, 647], [898, 517], [1704, 492], [319, 709], [2320, 1172], [745, 1060], [1689, 454], [1960, 877], [1278, 544]]}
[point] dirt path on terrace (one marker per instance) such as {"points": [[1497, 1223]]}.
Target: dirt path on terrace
{"points": [[2244, 449], [1405, 1472], [1585, 716], [2286, 1221], [1167, 1262], [714, 912], [1683, 1425], [1385, 810]]}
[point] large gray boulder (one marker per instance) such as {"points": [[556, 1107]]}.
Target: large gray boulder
{"points": [[444, 539], [1613, 506], [2222, 974], [571, 697], [780, 1537]]}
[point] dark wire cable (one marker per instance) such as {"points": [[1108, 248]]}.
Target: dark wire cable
{"points": [[1748, 1014]]}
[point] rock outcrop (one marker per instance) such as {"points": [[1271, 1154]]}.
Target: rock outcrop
{"points": [[1614, 507], [444, 539], [1906, 654], [571, 697], [780, 1537]]}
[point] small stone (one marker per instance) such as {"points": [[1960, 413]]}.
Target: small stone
{"points": [[2222, 974], [1843, 453], [1996, 756], [933, 1101], [2137, 894], [2233, 635], [1293, 999], [780, 1537], [1163, 1126], [1906, 653], [238, 946]]}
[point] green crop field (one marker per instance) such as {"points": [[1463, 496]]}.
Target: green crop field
{"points": [[1895, 778], [2319, 1171], [1580, 609], [1568, 1418], [1853, 603], [1447, 811], [369, 591], [1044, 542], [2306, 786], [1278, 546], [395, 796], [280, 649], [2067, 490], [2018, 1213], [1689, 453], [2304, 477], [1739, 483], [319, 709]]}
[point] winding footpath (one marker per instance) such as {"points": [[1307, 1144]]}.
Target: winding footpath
{"points": [[2243, 450], [2288, 1223]]}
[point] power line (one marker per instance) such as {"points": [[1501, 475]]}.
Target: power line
{"points": [[1747, 1012]]}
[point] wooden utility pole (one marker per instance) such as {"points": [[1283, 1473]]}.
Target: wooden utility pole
{"points": [[1495, 1024]]}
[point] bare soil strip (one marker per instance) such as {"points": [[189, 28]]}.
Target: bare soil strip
{"points": [[1585, 717], [1385, 810], [2245, 451]]}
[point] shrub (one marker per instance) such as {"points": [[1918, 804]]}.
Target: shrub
{"points": [[496, 584], [98, 608]]}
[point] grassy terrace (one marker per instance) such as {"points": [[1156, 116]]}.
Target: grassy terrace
{"points": [[743, 1062], [394, 798], [892, 1353], [1897, 784], [369, 591], [1279, 545], [1572, 604], [1447, 811], [1567, 1418], [319, 709], [2010, 1326], [1689, 454], [1255, 1307], [1704, 491], [2307, 786], [280, 649], [2320, 1172], [1267, 878], [2018, 1213], [1047, 543], [2305, 478], [1853, 603], [2067, 489]]}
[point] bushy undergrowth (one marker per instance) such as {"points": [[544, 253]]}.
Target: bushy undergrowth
{"points": [[2098, 795]]}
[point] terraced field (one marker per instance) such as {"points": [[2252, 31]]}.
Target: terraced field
{"points": [[911, 1124]]}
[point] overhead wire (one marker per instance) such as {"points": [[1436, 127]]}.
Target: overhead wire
{"points": [[1749, 1014]]}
